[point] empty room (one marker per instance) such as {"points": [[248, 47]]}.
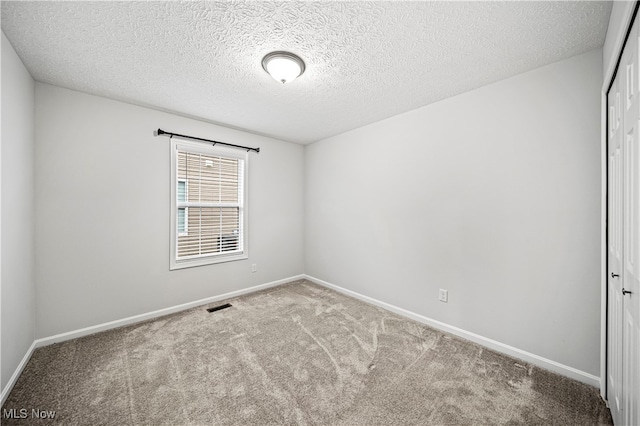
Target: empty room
{"points": [[320, 213]]}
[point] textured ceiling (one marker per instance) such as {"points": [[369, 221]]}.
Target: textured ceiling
{"points": [[366, 61]]}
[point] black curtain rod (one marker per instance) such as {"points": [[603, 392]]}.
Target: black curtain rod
{"points": [[160, 132]]}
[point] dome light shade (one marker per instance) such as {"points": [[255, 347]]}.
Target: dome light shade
{"points": [[284, 67]]}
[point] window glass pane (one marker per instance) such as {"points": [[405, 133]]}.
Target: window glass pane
{"points": [[181, 220], [210, 179], [182, 191], [211, 230]]}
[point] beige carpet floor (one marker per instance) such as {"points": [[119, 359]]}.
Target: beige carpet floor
{"points": [[297, 354]]}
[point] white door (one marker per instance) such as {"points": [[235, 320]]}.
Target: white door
{"points": [[614, 244], [630, 267], [623, 377]]}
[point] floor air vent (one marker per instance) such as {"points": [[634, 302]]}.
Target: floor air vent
{"points": [[217, 308]]}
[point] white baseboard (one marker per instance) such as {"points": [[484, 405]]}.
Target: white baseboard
{"points": [[155, 314], [130, 320], [489, 343], [14, 377], [534, 359]]}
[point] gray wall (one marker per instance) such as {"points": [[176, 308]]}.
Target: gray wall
{"points": [[493, 195], [17, 212], [102, 223]]}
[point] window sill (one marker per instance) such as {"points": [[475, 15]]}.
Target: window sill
{"points": [[203, 261]]}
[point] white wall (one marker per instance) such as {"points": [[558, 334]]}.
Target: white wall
{"points": [[17, 230], [493, 195], [102, 223]]}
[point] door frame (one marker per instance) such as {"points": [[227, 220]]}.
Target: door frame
{"points": [[628, 15]]}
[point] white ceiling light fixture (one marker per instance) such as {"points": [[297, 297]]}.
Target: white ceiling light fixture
{"points": [[283, 66]]}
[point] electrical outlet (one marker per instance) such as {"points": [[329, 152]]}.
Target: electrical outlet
{"points": [[254, 267], [443, 296]]}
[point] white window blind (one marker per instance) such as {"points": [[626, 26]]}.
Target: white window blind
{"points": [[208, 205]]}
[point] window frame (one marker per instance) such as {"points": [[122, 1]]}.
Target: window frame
{"points": [[216, 151]]}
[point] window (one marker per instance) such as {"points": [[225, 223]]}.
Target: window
{"points": [[208, 204]]}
